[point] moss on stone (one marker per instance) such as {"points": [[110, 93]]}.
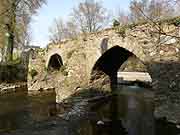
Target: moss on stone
{"points": [[33, 73], [63, 70], [69, 54]]}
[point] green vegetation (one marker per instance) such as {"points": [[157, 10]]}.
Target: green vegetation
{"points": [[121, 31], [15, 61], [33, 73], [175, 21], [63, 70], [116, 23], [16, 57]]}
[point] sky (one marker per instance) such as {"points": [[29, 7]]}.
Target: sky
{"points": [[62, 8]]}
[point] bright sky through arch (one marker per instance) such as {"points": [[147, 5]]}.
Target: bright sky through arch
{"points": [[62, 8]]}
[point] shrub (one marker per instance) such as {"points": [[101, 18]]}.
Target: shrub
{"points": [[122, 31], [33, 73], [63, 70], [116, 23], [177, 22]]}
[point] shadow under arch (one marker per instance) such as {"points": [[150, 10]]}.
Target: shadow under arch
{"points": [[55, 62], [110, 63]]}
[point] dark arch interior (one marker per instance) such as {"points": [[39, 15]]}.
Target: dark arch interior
{"points": [[112, 60], [55, 62]]}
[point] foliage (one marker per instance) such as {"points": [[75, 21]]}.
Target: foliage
{"points": [[33, 73], [16, 56], [116, 23], [121, 31], [14, 62], [177, 22], [15, 17], [63, 70]]}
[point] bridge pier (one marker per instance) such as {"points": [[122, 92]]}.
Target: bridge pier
{"points": [[114, 80]]}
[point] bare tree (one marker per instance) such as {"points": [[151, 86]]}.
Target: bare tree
{"points": [[122, 17], [61, 30], [57, 31], [155, 15], [72, 31], [90, 16], [25, 10], [154, 9], [135, 14], [15, 16], [159, 9]]}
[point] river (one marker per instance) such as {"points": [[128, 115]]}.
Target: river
{"points": [[130, 111]]}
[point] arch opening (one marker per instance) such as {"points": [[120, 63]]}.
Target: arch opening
{"points": [[113, 61], [55, 62]]}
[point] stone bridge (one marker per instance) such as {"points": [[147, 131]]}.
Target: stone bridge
{"points": [[106, 48], [108, 52]]}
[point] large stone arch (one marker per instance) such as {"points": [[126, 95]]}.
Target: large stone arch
{"points": [[107, 62], [110, 62]]}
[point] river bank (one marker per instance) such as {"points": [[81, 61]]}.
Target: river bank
{"points": [[7, 88]]}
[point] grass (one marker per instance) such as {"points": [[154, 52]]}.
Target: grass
{"points": [[33, 73]]}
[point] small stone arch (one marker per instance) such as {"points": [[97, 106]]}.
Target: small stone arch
{"points": [[55, 62]]}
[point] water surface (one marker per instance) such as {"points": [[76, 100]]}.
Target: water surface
{"points": [[130, 111]]}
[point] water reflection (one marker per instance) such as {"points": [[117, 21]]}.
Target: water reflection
{"points": [[128, 112], [19, 110], [135, 109]]}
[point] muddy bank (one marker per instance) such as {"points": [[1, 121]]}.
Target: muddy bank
{"points": [[7, 88]]}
